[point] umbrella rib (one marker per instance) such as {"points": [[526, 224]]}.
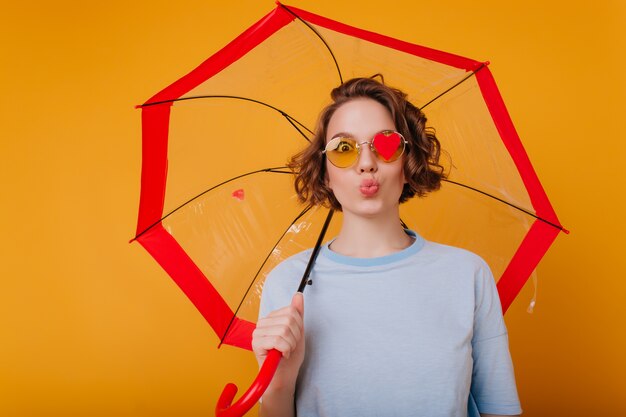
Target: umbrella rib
{"points": [[297, 128], [471, 74], [302, 213], [530, 213], [276, 170], [291, 119], [319, 36]]}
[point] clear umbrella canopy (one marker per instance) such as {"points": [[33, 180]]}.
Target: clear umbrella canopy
{"points": [[218, 209]]}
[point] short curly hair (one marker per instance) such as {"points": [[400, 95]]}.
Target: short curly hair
{"points": [[422, 169]]}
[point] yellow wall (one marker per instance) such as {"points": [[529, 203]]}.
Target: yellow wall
{"points": [[91, 326]]}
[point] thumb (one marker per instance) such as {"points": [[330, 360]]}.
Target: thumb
{"points": [[298, 303]]}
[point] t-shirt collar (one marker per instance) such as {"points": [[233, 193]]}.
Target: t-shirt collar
{"points": [[412, 249]]}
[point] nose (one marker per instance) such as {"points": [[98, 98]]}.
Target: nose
{"points": [[367, 159]]}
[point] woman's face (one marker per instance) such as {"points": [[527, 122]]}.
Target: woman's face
{"points": [[370, 187]]}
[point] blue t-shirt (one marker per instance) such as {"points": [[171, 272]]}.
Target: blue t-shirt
{"points": [[415, 333]]}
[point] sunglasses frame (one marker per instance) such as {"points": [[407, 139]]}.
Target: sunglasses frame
{"points": [[370, 143]]}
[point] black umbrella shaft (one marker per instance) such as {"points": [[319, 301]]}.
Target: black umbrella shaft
{"points": [[316, 251]]}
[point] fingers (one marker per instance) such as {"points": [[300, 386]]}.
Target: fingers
{"points": [[282, 329], [298, 303], [275, 336]]}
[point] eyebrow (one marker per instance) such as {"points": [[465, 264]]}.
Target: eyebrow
{"points": [[351, 136], [342, 134]]}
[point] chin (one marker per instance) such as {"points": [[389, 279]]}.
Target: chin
{"points": [[366, 208]]}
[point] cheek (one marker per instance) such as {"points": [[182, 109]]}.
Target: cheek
{"points": [[397, 171], [402, 170], [332, 177], [398, 181]]}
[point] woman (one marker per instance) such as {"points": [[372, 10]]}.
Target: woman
{"points": [[395, 325]]}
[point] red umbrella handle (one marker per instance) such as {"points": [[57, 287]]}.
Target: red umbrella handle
{"points": [[263, 379], [250, 397]]}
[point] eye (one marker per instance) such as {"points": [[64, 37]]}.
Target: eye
{"points": [[344, 145]]}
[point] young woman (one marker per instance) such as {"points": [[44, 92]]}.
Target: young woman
{"points": [[394, 325]]}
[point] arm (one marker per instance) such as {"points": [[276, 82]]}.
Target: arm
{"points": [[493, 377], [277, 404], [283, 330], [494, 415]]}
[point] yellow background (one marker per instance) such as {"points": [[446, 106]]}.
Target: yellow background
{"points": [[91, 326]]}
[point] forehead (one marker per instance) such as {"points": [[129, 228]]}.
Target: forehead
{"points": [[360, 118]]}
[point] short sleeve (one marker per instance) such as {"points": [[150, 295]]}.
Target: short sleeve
{"points": [[280, 285], [493, 388]]}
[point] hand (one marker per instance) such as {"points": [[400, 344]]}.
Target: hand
{"points": [[283, 330]]}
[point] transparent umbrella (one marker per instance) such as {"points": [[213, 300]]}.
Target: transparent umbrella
{"points": [[217, 208]]}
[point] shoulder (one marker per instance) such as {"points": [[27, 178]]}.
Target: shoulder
{"points": [[282, 282], [463, 267], [455, 256], [293, 264], [288, 273]]}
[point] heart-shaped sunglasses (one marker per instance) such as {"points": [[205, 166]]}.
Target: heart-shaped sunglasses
{"points": [[343, 151]]}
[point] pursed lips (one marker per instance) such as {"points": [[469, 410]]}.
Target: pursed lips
{"points": [[369, 187]]}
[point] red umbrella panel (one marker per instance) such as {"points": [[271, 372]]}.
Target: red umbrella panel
{"points": [[217, 208]]}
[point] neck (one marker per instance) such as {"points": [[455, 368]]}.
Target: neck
{"points": [[370, 237]]}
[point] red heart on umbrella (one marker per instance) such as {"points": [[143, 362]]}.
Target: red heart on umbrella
{"points": [[387, 144], [238, 194]]}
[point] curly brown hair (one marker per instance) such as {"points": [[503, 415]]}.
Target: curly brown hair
{"points": [[422, 169]]}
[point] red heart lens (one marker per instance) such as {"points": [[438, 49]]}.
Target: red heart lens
{"points": [[386, 144]]}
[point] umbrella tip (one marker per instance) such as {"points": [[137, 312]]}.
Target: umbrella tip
{"points": [[138, 106], [477, 66]]}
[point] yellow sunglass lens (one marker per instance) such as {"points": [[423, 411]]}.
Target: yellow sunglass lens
{"points": [[342, 152]]}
